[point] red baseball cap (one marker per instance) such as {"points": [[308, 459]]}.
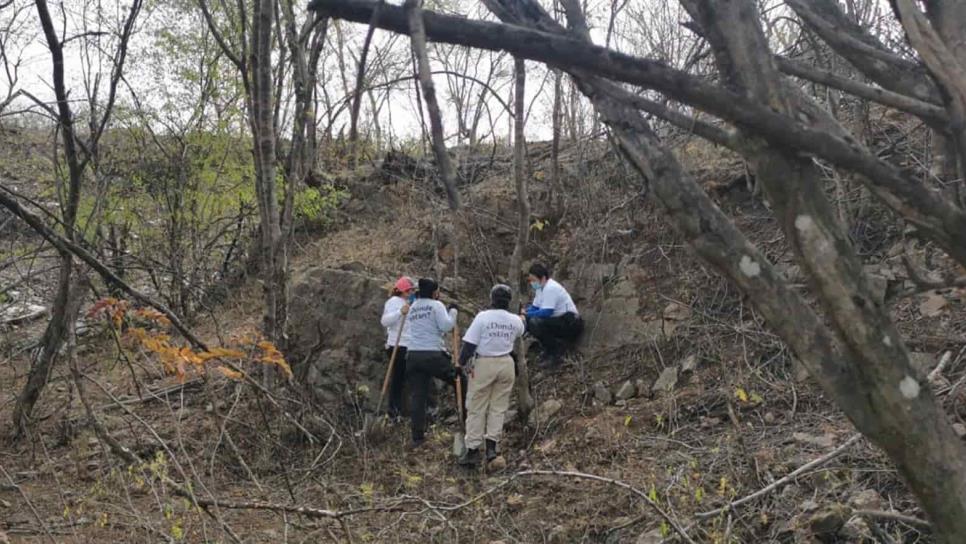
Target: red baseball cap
{"points": [[404, 283]]}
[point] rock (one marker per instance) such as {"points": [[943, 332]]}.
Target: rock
{"points": [[451, 492], [808, 506], [799, 371], [497, 464], [856, 530], [339, 303], [515, 501], [824, 441], [790, 491], [770, 418], [960, 429], [923, 362], [867, 499], [690, 363], [626, 391], [621, 318], [621, 404], [666, 381], [709, 422], [674, 315], [653, 536], [602, 394], [542, 414], [641, 386], [878, 282], [453, 285], [829, 520]]}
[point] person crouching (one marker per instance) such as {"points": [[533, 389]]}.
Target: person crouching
{"points": [[426, 358], [485, 356]]}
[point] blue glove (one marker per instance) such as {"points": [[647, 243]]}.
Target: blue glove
{"points": [[533, 311]]}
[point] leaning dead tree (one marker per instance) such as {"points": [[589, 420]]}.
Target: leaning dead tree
{"points": [[854, 350]]}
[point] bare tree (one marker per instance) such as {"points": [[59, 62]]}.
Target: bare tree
{"points": [[250, 49], [515, 273], [77, 154], [14, 35]]}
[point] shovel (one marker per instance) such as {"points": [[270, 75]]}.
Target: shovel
{"points": [[459, 443], [377, 422]]}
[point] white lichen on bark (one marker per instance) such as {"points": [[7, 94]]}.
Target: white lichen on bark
{"points": [[804, 223], [909, 387], [749, 267]]}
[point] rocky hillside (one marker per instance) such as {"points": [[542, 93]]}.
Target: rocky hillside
{"points": [[679, 402]]}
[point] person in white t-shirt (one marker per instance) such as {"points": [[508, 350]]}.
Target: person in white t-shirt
{"points": [[426, 358], [394, 317], [552, 318], [486, 358]]}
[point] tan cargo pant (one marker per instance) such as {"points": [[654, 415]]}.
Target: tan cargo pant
{"points": [[488, 399]]}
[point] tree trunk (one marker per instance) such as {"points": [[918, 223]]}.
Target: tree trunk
{"points": [[424, 73], [517, 280], [515, 273], [556, 194], [262, 120]]}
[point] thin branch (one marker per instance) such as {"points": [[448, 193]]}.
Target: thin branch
{"points": [[360, 77], [807, 467], [926, 110], [895, 516]]}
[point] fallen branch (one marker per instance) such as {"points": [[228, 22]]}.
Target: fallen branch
{"points": [[307, 511], [807, 467], [895, 516]]}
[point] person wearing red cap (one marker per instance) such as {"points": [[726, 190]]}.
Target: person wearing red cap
{"points": [[393, 316]]}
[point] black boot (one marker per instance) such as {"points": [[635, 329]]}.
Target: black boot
{"points": [[490, 450], [470, 458]]}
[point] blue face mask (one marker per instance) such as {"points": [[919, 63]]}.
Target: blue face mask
{"points": [[536, 285], [411, 298]]}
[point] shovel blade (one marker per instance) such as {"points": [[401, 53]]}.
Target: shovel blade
{"points": [[459, 444]]}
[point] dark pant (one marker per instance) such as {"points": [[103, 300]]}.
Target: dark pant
{"points": [[397, 381], [556, 334], [421, 368]]}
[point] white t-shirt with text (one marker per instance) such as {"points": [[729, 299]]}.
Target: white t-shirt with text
{"points": [[428, 322], [494, 332]]}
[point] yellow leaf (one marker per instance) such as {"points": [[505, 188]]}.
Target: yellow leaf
{"points": [[741, 394], [229, 373]]}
